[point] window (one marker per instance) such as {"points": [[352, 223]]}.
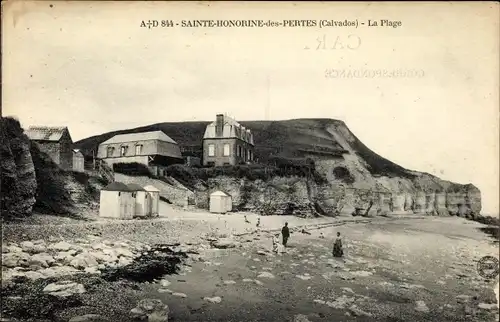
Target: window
{"points": [[211, 150], [227, 151], [239, 150], [249, 155], [109, 151], [138, 149], [123, 150]]}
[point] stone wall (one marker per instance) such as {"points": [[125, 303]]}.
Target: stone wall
{"points": [[176, 195]]}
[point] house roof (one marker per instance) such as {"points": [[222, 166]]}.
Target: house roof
{"points": [[219, 193], [151, 188], [231, 129], [45, 133], [135, 187], [117, 186], [141, 136]]}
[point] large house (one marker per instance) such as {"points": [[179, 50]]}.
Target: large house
{"points": [[56, 142], [226, 142], [154, 149]]}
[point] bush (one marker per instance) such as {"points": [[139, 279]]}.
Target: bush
{"points": [[132, 169], [343, 174]]}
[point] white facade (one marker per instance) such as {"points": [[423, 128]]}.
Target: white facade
{"points": [[220, 202], [117, 201], [155, 199]]}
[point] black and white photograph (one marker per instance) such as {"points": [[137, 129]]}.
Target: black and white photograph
{"points": [[211, 161]]}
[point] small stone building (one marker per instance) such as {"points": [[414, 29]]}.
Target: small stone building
{"points": [[155, 199], [142, 201], [56, 142], [220, 202], [117, 201], [78, 161]]}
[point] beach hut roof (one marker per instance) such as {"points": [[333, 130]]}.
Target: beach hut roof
{"points": [[219, 193], [135, 187], [151, 188], [117, 186]]}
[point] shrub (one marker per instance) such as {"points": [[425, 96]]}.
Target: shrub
{"points": [[343, 174], [132, 169]]}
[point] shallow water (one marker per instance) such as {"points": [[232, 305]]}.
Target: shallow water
{"points": [[491, 231]]}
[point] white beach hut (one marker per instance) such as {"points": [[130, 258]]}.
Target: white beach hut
{"points": [[220, 202], [155, 199], [142, 200], [117, 201]]}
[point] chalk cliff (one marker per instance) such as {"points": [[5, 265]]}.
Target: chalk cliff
{"points": [[355, 176]]}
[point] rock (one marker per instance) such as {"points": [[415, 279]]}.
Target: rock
{"points": [[348, 290], [60, 246], [463, 298], [165, 290], [256, 259], [486, 306], [64, 288], [15, 259], [229, 282], [224, 243], [346, 277], [34, 275], [57, 271], [258, 282], [165, 283], [215, 299], [84, 260], [42, 259], [265, 275], [92, 270], [123, 252], [319, 301], [301, 318], [88, 318], [261, 252], [152, 310], [354, 310], [31, 247], [421, 307], [341, 302], [361, 273], [304, 277], [179, 295], [246, 280]]}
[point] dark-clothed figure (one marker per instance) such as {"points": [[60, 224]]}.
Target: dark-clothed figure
{"points": [[337, 247], [285, 232]]}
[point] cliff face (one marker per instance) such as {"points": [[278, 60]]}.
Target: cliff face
{"points": [[31, 181], [18, 184], [355, 176]]}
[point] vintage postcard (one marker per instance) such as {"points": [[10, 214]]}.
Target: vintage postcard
{"points": [[250, 161]]}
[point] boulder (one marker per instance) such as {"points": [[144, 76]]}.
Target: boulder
{"points": [[421, 307], [224, 243], [215, 299], [31, 247], [60, 246], [42, 259], [151, 309], [15, 259], [84, 260], [88, 318], [64, 288]]}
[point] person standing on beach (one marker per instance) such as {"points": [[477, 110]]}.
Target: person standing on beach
{"points": [[337, 247], [285, 232]]}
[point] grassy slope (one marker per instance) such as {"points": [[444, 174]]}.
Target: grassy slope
{"points": [[286, 138]]}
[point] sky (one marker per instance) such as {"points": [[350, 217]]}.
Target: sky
{"points": [[91, 67]]}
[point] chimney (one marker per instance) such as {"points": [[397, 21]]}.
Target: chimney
{"points": [[219, 124]]}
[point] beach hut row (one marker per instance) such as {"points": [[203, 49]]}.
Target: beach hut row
{"points": [[127, 201]]}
